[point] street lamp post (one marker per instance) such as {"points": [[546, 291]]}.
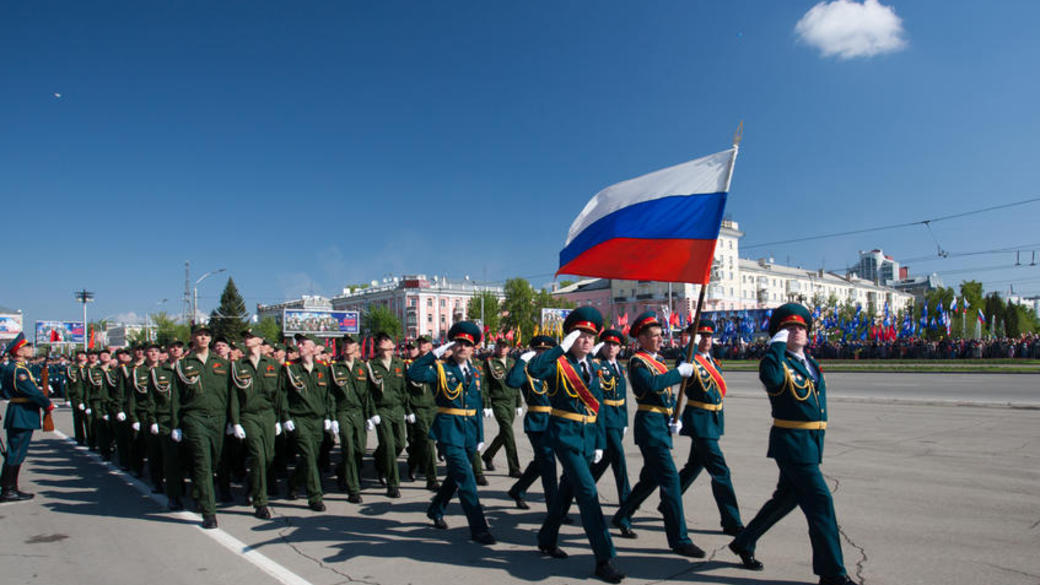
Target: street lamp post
{"points": [[84, 296], [195, 295]]}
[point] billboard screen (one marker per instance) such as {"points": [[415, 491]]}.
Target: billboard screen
{"points": [[320, 323], [59, 332], [10, 325], [552, 320]]}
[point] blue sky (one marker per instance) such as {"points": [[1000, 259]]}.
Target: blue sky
{"points": [[309, 145]]}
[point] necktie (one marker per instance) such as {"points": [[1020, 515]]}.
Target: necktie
{"points": [[617, 372], [585, 372], [466, 376]]}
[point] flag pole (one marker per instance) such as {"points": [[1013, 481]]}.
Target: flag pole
{"points": [[677, 413]]}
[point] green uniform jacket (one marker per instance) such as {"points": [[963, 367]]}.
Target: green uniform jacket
{"points": [[534, 392], [615, 389], [793, 396], [303, 393], [96, 393], [388, 388], [461, 429], [496, 388], [139, 404], [76, 385], [655, 390], [697, 421], [201, 388], [350, 388], [113, 396], [254, 389], [162, 388], [420, 394], [26, 398], [562, 432]]}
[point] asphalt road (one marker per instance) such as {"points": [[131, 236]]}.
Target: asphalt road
{"points": [[928, 489]]}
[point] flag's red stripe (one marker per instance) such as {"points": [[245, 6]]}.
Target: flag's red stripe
{"points": [[664, 260]]}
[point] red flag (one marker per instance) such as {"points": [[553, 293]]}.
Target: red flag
{"points": [[510, 335], [54, 335], [91, 346], [673, 320]]}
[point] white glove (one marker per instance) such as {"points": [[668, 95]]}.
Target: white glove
{"points": [[120, 416], [480, 447], [624, 431], [440, 351], [780, 336], [675, 427], [277, 428], [229, 430], [88, 412], [527, 355], [104, 417], [176, 435], [697, 340], [409, 418], [519, 410], [136, 426], [569, 340], [376, 419], [240, 433], [597, 456], [369, 425], [596, 348], [488, 412], [327, 425], [335, 427], [289, 426], [82, 406], [685, 369], [154, 429]]}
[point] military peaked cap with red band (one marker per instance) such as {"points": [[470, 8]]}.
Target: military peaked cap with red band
{"points": [[585, 318], [645, 319], [612, 336], [465, 330], [706, 327], [790, 314], [16, 344], [542, 342]]}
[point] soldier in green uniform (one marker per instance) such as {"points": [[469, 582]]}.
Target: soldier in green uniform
{"points": [[614, 411], [200, 407], [93, 386], [576, 435], [117, 409], [107, 383], [138, 403], [25, 401], [536, 421], [703, 422], [505, 403], [388, 387], [164, 453], [798, 397], [75, 393], [306, 415], [457, 428], [422, 450], [351, 407], [253, 416], [652, 383]]}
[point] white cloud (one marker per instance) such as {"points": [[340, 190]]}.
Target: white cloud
{"points": [[848, 29]]}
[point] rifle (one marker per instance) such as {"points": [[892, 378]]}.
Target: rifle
{"points": [[48, 420]]}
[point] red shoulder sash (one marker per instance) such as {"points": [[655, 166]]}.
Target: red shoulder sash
{"points": [[576, 381]]}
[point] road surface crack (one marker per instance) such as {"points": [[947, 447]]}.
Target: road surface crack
{"points": [[283, 534], [1015, 571], [862, 556]]}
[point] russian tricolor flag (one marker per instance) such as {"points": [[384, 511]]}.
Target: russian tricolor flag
{"points": [[661, 226]]}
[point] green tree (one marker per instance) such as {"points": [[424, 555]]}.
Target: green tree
{"points": [[971, 290], [993, 307], [269, 329], [379, 319], [230, 319], [1011, 321], [492, 310], [167, 329], [518, 309]]}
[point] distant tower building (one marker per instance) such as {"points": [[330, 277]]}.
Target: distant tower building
{"points": [[876, 266]]}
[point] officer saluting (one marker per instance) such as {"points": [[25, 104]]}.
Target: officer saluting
{"points": [[458, 427], [576, 437], [797, 394], [23, 415]]}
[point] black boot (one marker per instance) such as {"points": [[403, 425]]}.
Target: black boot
{"points": [[606, 571], [13, 481]]}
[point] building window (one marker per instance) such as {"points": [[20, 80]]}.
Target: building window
{"points": [[429, 303], [443, 303], [429, 319]]}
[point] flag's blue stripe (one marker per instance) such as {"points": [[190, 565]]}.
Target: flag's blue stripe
{"points": [[694, 217]]}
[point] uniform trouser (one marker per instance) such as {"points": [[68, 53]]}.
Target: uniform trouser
{"points": [[204, 435], [259, 447], [459, 477], [90, 426], [614, 456], [122, 433], [658, 471], [543, 465], [391, 434], [156, 460], [103, 432], [17, 446], [706, 454], [352, 438], [505, 413], [421, 448], [138, 443], [577, 483], [476, 464], [172, 465], [79, 424], [307, 437], [801, 484]]}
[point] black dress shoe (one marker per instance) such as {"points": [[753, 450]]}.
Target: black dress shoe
{"points": [[382, 480], [515, 474], [733, 531], [483, 537], [626, 532], [554, 552], [440, 524], [209, 521], [393, 493], [488, 463], [354, 498], [481, 480], [520, 503], [688, 549], [747, 559], [608, 572], [263, 513], [839, 580], [317, 506], [291, 495], [175, 505], [433, 485]]}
